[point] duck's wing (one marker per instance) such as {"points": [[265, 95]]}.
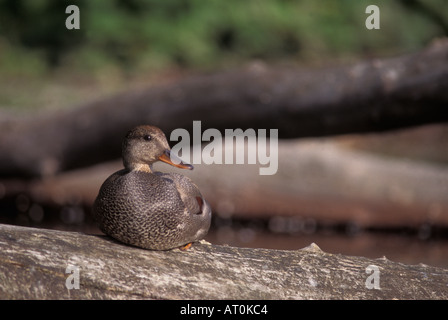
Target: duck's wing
{"points": [[192, 198]]}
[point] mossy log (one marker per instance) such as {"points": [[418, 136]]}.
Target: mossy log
{"points": [[49, 264]]}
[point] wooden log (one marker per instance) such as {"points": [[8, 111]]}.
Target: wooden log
{"points": [[317, 179], [372, 95], [47, 264]]}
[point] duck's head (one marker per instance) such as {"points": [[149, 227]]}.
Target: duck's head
{"points": [[144, 145]]}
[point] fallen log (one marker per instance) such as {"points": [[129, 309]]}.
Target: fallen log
{"points": [[317, 179], [48, 264], [373, 95]]}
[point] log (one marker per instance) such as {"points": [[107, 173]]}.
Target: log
{"points": [[372, 95], [319, 179], [49, 264]]}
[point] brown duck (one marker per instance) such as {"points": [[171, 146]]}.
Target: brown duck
{"points": [[148, 209]]}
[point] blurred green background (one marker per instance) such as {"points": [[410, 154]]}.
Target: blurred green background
{"points": [[124, 43]]}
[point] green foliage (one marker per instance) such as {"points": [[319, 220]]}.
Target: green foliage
{"points": [[153, 34]]}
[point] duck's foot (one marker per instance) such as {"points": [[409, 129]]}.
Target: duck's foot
{"points": [[186, 247]]}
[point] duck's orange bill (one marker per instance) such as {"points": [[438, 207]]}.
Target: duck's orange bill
{"points": [[171, 159]]}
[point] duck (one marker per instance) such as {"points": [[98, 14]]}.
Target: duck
{"points": [[149, 209]]}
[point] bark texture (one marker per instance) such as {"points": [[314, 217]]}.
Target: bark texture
{"points": [[34, 262]]}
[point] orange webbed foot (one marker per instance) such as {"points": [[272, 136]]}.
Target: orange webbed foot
{"points": [[186, 247]]}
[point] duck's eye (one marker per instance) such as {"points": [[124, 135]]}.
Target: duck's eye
{"points": [[147, 137]]}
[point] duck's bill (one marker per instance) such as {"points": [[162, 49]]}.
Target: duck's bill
{"points": [[173, 160]]}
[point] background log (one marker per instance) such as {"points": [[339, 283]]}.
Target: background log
{"points": [[373, 95], [322, 180], [33, 265]]}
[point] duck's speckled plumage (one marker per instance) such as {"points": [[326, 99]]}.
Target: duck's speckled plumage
{"points": [[152, 210]]}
